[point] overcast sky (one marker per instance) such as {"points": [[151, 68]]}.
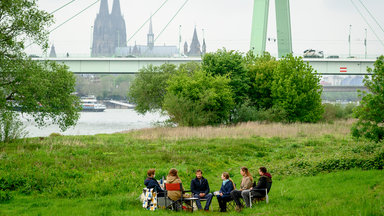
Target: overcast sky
{"points": [[317, 24]]}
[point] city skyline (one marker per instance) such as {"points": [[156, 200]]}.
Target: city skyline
{"points": [[321, 25]]}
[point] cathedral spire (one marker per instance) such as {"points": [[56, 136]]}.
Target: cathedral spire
{"points": [[195, 45], [104, 10], [150, 36], [116, 11]]}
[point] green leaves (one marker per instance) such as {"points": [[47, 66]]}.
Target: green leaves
{"points": [[198, 99], [42, 89], [296, 89], [370, 112]]}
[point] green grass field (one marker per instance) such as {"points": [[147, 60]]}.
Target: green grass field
{"points": [[323, 173]]}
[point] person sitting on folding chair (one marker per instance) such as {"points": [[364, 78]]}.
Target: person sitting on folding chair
{"points": [[246, 184], [151, 182], [171, 179], [224, 194], [258, 191], [200, 190]]}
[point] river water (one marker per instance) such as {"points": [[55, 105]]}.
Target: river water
{"points": [[90, 123]]}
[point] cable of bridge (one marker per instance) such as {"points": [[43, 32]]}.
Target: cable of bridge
{"points": [[182, 6], [65, 5], [89, 6], [366, 21], [373, 17], [134, 34]]}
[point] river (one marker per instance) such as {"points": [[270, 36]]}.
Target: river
{"points": [[90, 123]]}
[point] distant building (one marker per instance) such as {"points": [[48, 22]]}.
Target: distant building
{"points": [[194, 49], [52, 53], [109, 31], [149, 50], [110, 38]]}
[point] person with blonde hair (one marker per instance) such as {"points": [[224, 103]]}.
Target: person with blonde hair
{"points": [[225, 191], [246, 184]]}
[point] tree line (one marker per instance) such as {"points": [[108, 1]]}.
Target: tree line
{"points": [[231, 87]]}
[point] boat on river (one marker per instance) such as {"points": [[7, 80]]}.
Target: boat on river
{"points": [[90, 104]]}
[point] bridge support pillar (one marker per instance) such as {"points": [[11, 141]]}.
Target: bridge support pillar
{"points": [[259, 26], [260, 22]]}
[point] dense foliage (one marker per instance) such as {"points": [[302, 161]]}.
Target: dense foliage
{"points": [[296, 89], [370, 112], [198, 99], [258, 88], [42, 89], [149, 87]]}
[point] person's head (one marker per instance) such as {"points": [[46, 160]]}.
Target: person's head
{"points": [[262, 170], [199, 174], [245, 172], [225, 176], [151, 173], [173, 172]]}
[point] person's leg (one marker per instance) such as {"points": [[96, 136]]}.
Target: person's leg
{"points": [[198, 203], [209, 200], [236, 194], [245, 195], [225, 200], [220, 200]]}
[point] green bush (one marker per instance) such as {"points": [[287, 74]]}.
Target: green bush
{"points": [[296, 89], [5, 196], [370, 112], [198, 99], [337, 111], [245, 113], [10, 127]]}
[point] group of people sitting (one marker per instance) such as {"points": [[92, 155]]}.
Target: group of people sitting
{"points": [[228, 192]]}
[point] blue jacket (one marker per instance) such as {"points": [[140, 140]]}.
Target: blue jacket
{"points": [[152, 183], [201, 186], [226, 189]]}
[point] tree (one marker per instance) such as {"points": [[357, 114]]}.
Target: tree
{"points": [[231, 64], [296, 89], [42, 89], [260, 73], [149, 87], [198, 99], [370, 113]]}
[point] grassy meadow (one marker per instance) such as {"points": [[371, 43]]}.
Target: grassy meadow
{"points": [[318, 169]]}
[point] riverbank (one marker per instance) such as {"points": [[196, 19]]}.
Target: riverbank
{"points": [[319, 172]]}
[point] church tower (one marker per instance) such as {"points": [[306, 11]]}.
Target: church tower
{"points": [[119, 31], [150, 36], [109, 31], [195, 45], [100, 45]]}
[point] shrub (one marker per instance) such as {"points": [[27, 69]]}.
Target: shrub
{"points": [[5, 196], [198, 99], [338, 111], [370, 112], [296, 89], [10, 127]]}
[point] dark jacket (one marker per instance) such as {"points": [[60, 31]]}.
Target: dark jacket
{"points": [[265, 181], [226, 189], [199, 186], [152, 183]]}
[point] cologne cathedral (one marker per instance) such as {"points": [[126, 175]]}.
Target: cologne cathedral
{"points": [[109, 38]]}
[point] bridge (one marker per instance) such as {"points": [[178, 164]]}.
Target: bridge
{"points": [[133, 65], [343, 67]]}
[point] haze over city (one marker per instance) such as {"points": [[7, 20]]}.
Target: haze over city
{"points": [[317, 24]]}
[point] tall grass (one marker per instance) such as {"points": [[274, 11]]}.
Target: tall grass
{"points": [[339, 128]]}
